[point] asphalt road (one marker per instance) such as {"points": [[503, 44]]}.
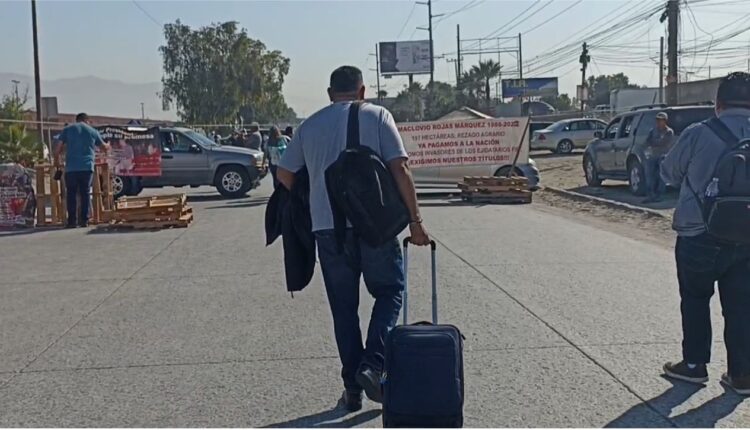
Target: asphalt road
{"points": [[567, 324]]}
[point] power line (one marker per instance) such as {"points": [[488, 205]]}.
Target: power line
{"points": [[506, 24], [566, 9], [154, 20], [414, 6], [472, 4]]}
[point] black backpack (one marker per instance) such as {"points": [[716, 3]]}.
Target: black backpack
{"points": [[362, 190], [726, 203]]}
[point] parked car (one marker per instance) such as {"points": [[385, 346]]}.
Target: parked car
{"points": [[618, 151], [192, 159], [442, 177], [564, 136]]}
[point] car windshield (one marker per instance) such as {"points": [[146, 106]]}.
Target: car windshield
{"points": [[200, 138]]}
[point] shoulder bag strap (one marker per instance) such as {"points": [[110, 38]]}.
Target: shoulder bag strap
{"points": [[721, 130], [352, 126]]}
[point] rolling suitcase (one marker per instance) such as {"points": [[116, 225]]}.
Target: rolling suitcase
{"points": [[423, 378]]}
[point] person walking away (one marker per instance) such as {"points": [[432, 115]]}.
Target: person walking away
{"points": [[702, 259], [79, 140], [276, 146], [317, 144], [658, 142], [255, 139]]}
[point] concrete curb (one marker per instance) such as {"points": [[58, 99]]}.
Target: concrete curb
{"points": [[598, 200]]}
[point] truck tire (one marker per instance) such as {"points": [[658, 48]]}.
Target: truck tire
{"points": [[589, 170], [232, 181], [636, 178]]}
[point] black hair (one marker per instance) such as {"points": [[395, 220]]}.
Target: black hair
{"points": [[734, 90], [346, 79], [82, 117]]}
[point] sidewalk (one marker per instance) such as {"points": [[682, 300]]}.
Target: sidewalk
{"points": [[566, 325]]}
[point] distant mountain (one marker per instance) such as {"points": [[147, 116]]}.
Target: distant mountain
{"points": [[95, 96]]}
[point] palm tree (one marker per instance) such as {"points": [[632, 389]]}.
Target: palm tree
{"points": [[486, 71], [471, 83]]}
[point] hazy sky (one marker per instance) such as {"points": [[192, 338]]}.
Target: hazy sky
{"points": [[118, 40]]}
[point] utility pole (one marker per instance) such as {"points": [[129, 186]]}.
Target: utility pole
{"points": [[377, 71], [143, 112], [15, 90], [429, 29], [520, 58], [661, 70], [458, 53], [37, 80], [672, 16], [584, 60]]}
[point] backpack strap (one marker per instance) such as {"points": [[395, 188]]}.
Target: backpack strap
{"points": [[352, 126], [721, 130]]}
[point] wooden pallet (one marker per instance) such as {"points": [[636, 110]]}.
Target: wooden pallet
{"points": [[51, 207], [153, 212], [491, 189], [181, 222]]}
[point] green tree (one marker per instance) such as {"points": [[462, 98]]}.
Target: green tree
{"points": [[409, 104], [561, 103], [441, 99], [471, 89], [217, 74], [486, 71], [17, 144], [600, 87]]}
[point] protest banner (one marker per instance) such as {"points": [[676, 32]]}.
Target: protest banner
{"points": [[17, 199], [465, 142], [134, 151]]}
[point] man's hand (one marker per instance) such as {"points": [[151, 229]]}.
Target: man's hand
{"points": [[418, 234]]}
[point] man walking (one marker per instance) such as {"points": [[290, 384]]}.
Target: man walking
{"points": [[658, 142], [316, 145], [79, 141], [702, 260]]}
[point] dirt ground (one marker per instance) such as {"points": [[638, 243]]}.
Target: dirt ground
{"points": [[565, 172]]}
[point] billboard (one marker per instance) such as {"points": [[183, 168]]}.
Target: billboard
{"points": [[532, 87], [404, 58], [135, 151], [465, 142]]}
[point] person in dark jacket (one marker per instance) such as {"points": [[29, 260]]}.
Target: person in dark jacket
{"points": [[317, 144]]}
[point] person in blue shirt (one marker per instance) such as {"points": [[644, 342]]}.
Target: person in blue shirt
{"points": [[79, 141]]}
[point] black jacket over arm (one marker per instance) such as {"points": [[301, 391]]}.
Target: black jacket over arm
{"points": [[288, 216]]}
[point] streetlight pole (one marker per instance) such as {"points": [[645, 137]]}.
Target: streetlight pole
{"points": [[143, 112], [37, 80]]}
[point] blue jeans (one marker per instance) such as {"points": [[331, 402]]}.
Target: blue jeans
{"points": [[655, 187], [78, 184], [382, 269], [701, 262]]}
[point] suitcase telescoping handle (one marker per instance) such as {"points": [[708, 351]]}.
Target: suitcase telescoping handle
{"points": [[405, 307]]}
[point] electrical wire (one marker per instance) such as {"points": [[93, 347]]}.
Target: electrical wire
{"points": [[403, 27], [154, 20]]}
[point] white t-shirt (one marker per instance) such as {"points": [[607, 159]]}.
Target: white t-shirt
{"points": [[319, 141]]}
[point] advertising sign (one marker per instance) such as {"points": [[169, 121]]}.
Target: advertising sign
{"points": [[134, 151], [465, 142], [17, 199], [404, 58], [532, 87]]}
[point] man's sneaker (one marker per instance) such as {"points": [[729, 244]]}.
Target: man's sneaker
{"points": [[740, 385], [681, 371], [70, 225], [83, 224], [351, 400], [369, 380]]}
